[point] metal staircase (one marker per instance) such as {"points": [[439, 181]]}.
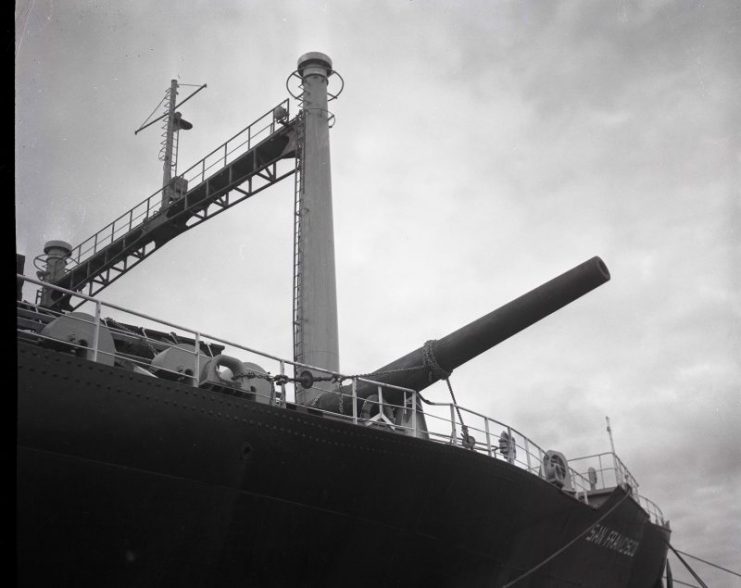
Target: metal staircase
{"points": [[260, 155]]}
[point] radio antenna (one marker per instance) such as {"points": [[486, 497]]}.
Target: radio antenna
{"points": [[174, 123], [145, 124], [609, 432]]}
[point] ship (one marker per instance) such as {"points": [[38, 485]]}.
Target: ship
{"points": [[152, 454]]}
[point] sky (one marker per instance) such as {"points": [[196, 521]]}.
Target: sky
{"points": [[480, 149]]}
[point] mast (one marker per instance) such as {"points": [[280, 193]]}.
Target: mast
{"points": [[618, 471], [317, 341], [169, 140]]}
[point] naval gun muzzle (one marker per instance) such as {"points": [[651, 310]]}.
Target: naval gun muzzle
{"points": [[435, 360]]}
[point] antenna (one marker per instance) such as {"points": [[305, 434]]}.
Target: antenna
{"points": [[620, 475], [146, 124], [174, 122], [609, 432]]}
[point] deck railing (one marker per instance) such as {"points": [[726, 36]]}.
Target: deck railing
{"points": [[441, 422], [651, 508], [608, 469], [227, 152]]}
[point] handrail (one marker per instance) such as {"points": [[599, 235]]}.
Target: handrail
{"points": [[151, 206], [444, 421], [523, 445], [653, 510], [618, 473]]}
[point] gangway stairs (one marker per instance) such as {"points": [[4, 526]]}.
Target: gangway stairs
{"points": [[260, 155]]}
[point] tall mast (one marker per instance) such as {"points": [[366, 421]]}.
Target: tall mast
{"points": [[169, 140], [609, 432], [618, 478], [318, 344]]}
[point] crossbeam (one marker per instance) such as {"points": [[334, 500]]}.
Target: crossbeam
{"points": [[105, 257]]}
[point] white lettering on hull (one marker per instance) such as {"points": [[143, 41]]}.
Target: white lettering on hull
{"points": [[604, 537]]}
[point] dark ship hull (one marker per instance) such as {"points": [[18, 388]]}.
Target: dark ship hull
{"points": [[129, 477], [129, 480]]}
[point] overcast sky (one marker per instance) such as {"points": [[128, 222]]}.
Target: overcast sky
{"points": [[480, 149]]}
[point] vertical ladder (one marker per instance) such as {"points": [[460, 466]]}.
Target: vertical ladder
{"points": [[298, 313]]}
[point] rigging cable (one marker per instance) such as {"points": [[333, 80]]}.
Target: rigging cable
{"points": [[706, 562], [569, 544], [436, 371], [178, 105], [682, 583], [686, 565], [156, 107]]}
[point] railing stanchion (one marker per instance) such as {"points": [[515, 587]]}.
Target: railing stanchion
{"points": [[453, 432], [282, 383], [414, 414], [355, 401], [197, 371], [510, 448], [617, 471], [96, 334], [527, 454], [488, 437]]}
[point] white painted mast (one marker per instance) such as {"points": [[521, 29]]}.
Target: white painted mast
{"points": [[169, 139], [618, 471], [318, 344]]}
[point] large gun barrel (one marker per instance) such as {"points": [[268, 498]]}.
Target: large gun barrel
{"points": [[435, 360]]}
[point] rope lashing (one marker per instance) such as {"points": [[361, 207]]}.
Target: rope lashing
{"points": [[430, 362], [436, 372]]}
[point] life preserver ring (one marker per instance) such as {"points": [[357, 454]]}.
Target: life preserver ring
{"points": [[245, 376]]}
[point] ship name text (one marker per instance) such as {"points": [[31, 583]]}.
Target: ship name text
{"points": [[605, 537]]}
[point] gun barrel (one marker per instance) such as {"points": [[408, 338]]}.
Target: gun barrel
{"points": [[436, 359]]}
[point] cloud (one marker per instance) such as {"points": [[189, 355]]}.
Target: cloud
{"points": [[480, 149]]}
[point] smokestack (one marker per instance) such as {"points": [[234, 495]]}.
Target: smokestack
{"points": [[317, 339], [20, 265], [57, 254]]}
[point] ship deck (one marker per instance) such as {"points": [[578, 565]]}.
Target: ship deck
{"points": [[136, 338]]}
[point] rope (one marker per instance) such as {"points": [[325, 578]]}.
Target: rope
{"points": [[283, 379], [675, 581], [430, 362], [371, 375], [167, 93], [464, 428], [707, 562], [437, 372], [686, 565], [569, 544]]}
